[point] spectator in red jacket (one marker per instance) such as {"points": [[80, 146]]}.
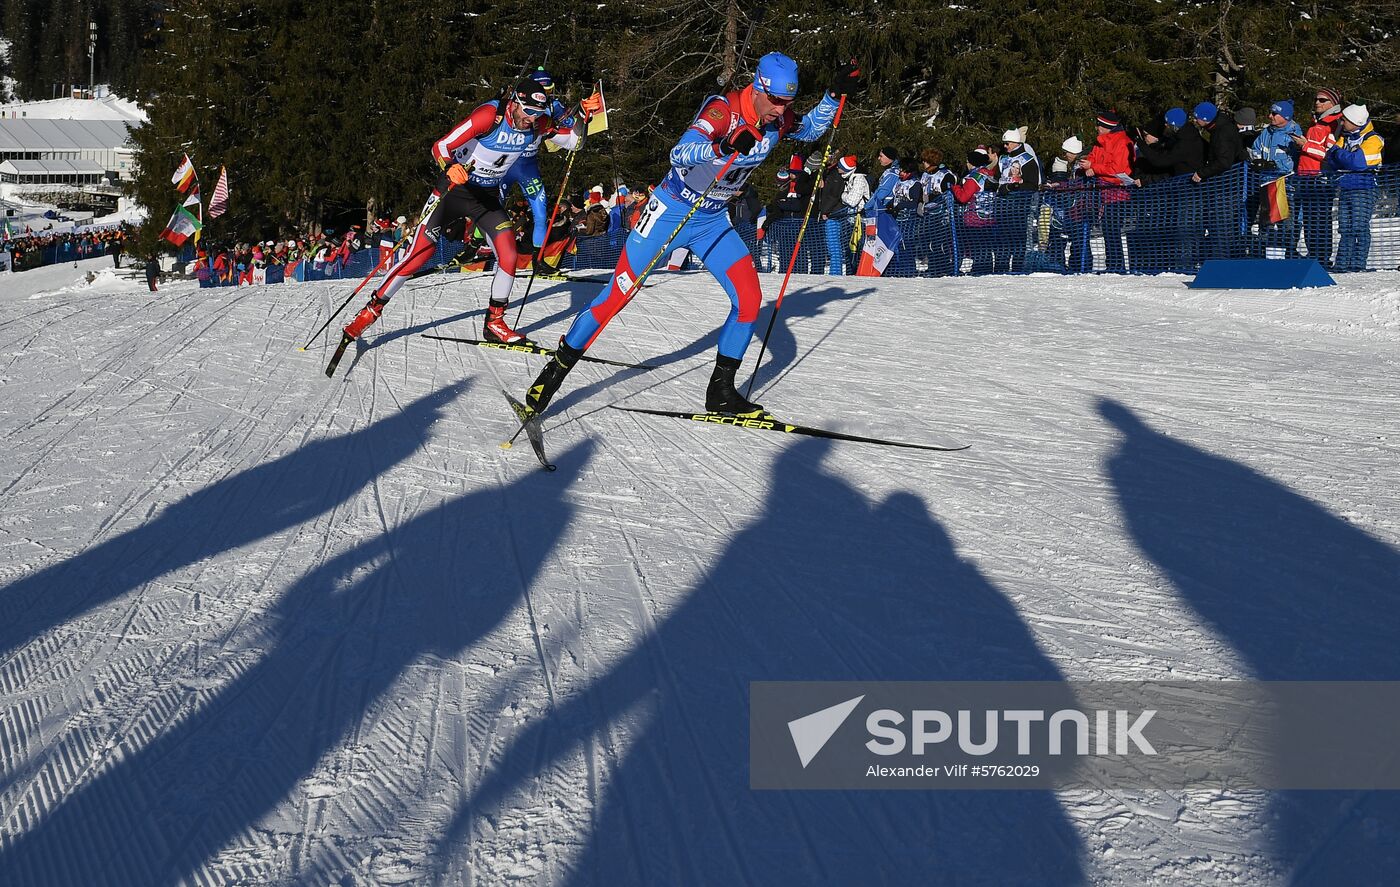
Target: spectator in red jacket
{"points": [[1109, 164], [977, 192], [1314, 192]]}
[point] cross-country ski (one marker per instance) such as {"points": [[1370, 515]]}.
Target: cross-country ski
{"points": [[766, 422]]}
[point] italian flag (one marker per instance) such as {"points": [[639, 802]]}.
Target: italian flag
{"points": [[182, 224]]}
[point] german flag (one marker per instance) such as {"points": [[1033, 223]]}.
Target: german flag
{"points": [[1276, 199], [553, 252]]}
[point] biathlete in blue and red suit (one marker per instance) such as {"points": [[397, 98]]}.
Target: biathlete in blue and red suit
{"points": [[748, 123], [475, 158]]}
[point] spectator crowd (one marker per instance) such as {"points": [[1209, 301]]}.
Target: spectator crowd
{"points": [[32, 249], [1165, 195], [1180, 188]]}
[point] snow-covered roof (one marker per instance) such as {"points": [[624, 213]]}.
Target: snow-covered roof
{"points": [[106, 108], [51, 167], [62, 135]]}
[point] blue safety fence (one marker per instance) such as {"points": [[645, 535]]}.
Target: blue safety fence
{"points": [[1348, 221], [26, 257]]}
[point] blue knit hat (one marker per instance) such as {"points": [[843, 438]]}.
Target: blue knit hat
{"points": [[1175, 117], [1283, 108], [1205, 111]]}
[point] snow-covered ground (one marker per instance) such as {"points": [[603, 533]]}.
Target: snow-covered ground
{"points": [[258, 627]]}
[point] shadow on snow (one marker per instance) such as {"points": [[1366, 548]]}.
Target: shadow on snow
{"points": [[238, 510], [1299, 593], [826, 585], [339, 639]]}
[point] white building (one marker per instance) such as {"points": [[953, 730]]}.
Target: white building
{"points": [[46, 155], [97, 141]]}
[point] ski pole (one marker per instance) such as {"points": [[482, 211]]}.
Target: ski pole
{"points": [[423, 215], [351, 297], [563, 185], [792, 263]]}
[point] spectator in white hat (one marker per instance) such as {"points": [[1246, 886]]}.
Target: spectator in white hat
{"points": [[1018, 170], [1064, 167], [1356, 155], [1018, 167]]}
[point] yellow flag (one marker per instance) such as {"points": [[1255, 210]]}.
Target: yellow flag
{"points": [[594, 110], [597, 109]]}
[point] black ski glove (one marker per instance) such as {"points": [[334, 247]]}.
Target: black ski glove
{"points": [[741, 140], [846, 80]]}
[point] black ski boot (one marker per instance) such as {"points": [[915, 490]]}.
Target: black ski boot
{"points": [[723, 397], [551, 377]]}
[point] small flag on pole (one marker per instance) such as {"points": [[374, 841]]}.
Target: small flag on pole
{"points": [[597, 109], [218, 204], [593, 109], [184, 177], [880, 247], [1276, 199], [182, 224]]}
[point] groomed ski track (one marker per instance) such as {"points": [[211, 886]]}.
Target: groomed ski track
{"points": [[261, 627]]}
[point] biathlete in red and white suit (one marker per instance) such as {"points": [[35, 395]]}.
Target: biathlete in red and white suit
{"points": [[748, 122], [474, 158]]}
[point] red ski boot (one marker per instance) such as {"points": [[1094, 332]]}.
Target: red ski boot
{"points": [[368, 315], [495, 329]]}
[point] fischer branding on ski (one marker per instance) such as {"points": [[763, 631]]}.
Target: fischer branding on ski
{"points": [[768, 422], [529, 347]]}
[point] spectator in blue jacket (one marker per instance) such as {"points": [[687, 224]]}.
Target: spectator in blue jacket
{"points": [[884, 189], [1275, 141], [1275, 145], [1356, 154]]}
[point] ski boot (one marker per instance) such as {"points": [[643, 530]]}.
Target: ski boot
{"points": [[542, 269], [722, 397], [496, 329], [551, 377], [368, 315]]}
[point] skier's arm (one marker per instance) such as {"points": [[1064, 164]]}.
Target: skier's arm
{"points": [[816, 121], [479, 123], [566, 136], [700, 141]]}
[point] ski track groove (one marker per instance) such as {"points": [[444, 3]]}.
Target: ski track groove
{"points": [[663, 670], [126, 619], [501, 485], [108, 369]]}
